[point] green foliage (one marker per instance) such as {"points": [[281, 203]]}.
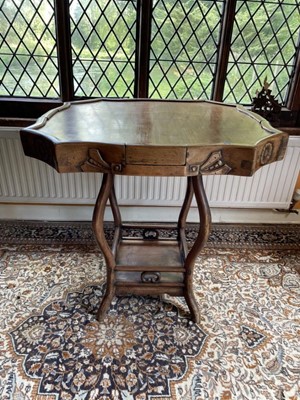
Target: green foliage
{"points": [[184, 46]]}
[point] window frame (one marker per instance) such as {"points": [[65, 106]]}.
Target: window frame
{"points": [[23, 110]]}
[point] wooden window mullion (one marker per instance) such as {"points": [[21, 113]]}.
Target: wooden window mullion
{"points": [[224, 49], [62, 16], [293, 102], [144, 17]]}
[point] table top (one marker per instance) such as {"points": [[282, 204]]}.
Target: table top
{"points": [[153, 137]]}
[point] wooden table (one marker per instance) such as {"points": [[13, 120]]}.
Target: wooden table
{"points": [[152, 138]]}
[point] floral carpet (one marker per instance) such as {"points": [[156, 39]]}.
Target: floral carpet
{"points": [[247, 345]]}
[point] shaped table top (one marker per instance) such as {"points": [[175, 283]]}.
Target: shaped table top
{"points": [[153, 137]]}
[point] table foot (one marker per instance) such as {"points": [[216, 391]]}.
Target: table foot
{"points": [[105, 304], [193, 307]]}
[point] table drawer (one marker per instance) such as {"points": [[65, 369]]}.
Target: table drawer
{"points": [[156, 155]]}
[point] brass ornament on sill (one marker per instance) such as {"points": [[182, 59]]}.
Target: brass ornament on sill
{"points": [[265, 105]]}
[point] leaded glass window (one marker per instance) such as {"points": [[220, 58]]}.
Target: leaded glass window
{"points": [[62, 50], [103, 47], [28, 52], [263, 46]]}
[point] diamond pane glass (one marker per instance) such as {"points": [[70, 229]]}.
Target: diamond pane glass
{"points": [[184, 44], [28, 53], [264, 43], [103, 47]]}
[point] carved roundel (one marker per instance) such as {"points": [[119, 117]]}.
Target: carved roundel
{"points": [[266, 153]]}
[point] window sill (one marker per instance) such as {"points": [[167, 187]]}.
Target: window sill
{"points": [[17, 122], [291, 131]]}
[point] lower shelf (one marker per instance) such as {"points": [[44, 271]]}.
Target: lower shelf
{"points": [[149, 267], [158, 255]]}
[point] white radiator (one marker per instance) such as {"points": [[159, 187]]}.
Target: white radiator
{"points": [[25, 180]]}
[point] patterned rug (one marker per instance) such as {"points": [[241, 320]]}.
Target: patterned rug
{"points": [[222, 235], [247, 345]]}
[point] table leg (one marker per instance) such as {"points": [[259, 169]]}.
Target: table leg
{"points": [[117, 219], [195, 184], [184, 213], [106, 192]]}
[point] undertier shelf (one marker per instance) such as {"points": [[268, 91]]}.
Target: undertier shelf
{"points": [[164, 255], [149, 267]]}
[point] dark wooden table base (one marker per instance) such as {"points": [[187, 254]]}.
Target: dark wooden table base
{"points": [[150, 265]]}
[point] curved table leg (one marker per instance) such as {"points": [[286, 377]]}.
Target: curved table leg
{"points": [[98, 227], [117, 219], [184, 213], [204, 229]]}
